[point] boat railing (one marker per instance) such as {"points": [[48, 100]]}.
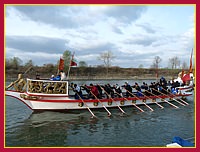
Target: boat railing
{"points": [[49, 87]]}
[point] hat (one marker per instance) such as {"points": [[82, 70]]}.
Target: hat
{"points": [[52, 76]]}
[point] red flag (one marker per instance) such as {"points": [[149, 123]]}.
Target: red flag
{"points": [[186, 78], [61, 64], [190, 70], [72, 62]]}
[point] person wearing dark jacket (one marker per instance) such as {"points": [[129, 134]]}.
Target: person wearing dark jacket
{"points": [[128, 89]]}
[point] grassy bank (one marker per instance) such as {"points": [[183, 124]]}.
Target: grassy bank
{"points": [[96, 73]]}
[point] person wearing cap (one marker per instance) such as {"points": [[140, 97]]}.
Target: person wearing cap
{"points": [[52, 77]]}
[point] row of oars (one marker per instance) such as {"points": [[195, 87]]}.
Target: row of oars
{"points": [[109, 113]]}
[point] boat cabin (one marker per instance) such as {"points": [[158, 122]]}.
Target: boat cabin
{"points": [[47, 87]]}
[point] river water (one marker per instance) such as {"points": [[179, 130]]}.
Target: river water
{"points": [[24, 128]]}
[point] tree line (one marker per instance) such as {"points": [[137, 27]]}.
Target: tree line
{"points": [[15, 64]]}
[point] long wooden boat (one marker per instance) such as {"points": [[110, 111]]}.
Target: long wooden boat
{"points": [[54, 95]]}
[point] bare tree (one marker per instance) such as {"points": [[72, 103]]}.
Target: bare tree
{"points": [[174, 62], [155, 64], [107, 58], [184, 65]]}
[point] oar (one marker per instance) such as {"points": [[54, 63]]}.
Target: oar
{"points": [[175, 96], [112, 99], [172, 98], [151, 99], [164, 99], [27, 69], [131, 102], [139, 99], [109, 113], [86, 106]]}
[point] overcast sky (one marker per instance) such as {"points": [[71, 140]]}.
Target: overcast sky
{"points": [[134, 33]]}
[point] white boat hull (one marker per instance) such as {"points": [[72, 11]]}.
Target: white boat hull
{"points": [[67, 103]]}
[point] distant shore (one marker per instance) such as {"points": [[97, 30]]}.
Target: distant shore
{"points": [[97, 73], [101, 78]]}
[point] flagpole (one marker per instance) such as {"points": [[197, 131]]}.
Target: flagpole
{"points": [[190, 70], [68, 70], [69, 66], [58, 67]]}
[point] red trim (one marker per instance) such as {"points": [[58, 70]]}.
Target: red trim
{"points": [[109, 100], [97, 100], [186, 88]]}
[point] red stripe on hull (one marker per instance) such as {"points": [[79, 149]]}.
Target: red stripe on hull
{"points": [[107, 100]]}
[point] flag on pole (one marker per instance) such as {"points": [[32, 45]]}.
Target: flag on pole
{"points": [[190, 70], [186, 77], [73, 62], [61, 64]]}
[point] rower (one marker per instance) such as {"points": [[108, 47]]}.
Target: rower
{"points": [[78, 92], [118, 90], [137, 87], [93, 91], [128, 89]]}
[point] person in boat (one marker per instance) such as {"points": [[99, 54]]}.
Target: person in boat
{"points": [[118, 90], [85, 87], [138, 89], [145, 87], [57, 78], [62, 76], [78, 92], [93, 91], [153, 88], [159, 89], [52, 77], [169, 83], [37, 76], [164, 88], [163, 80], [128, 89], [99, 87], [174, 86], [109, 90]]}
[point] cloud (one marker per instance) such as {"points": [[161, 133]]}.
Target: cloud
{"points": [[36, 44], [38, 58], [126, 14], [117, 30], [143, 40], [56, 16], [147, 27], [93, 47], [79, 16]]}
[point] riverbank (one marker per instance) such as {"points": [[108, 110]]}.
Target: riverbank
{"points": [[98, 73], [86, 78]]}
